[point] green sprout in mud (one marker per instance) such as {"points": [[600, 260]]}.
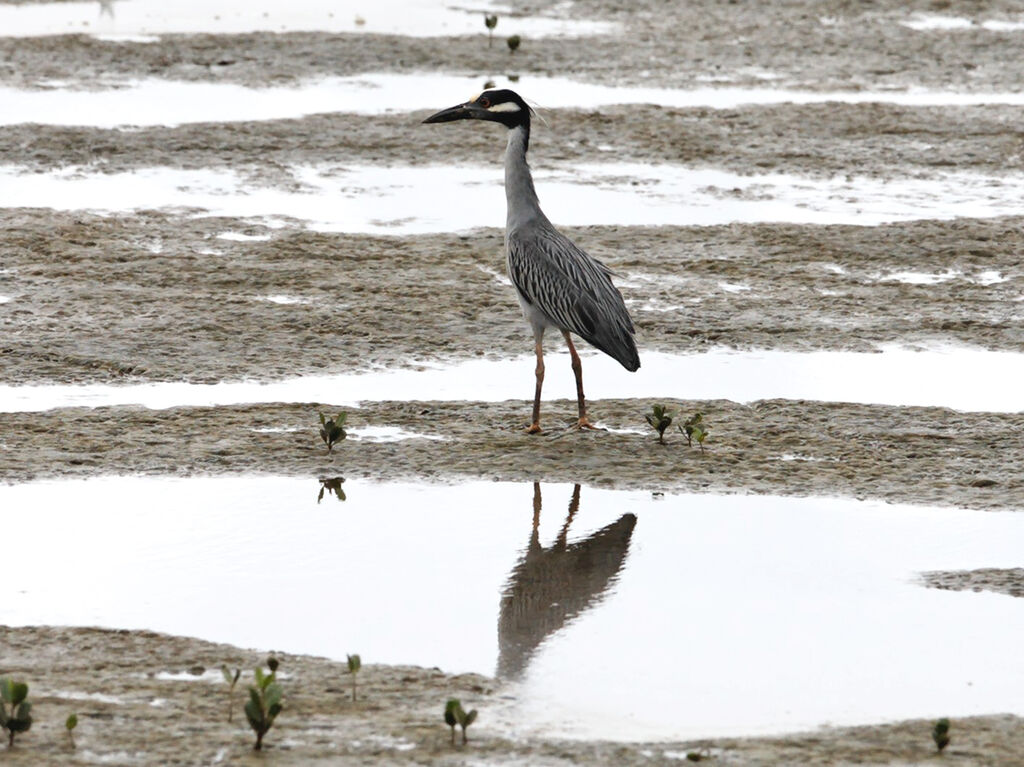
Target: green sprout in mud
{"points": [[490, 21], [70, 724], [232, 680], [354, 664], [455, 714], [332, 486], [513, 43], [264, 702], [660, 418], [940, 734], [19, 718], [694, 428], [332, 429], [699, 756]]}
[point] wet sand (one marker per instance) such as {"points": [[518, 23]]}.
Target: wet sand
{"points": [[110, 678], [139, 297]]}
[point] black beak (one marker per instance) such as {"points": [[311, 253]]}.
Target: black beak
{"points": [[467, 111]]}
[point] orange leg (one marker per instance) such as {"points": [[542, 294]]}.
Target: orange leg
{"points": [[577, 369], [534, 427]]}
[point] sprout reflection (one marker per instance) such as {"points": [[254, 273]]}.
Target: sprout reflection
{"points": [[549, 587]]}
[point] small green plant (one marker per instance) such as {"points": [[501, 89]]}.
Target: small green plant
{"points": [[332, 486], [513, 43], [490, 21], [449, 715], [19, 718], [694, 428], [940, 734], [660, 418], [455, 714], [232, 680], [332, 429], [699, 756], [70, 724], [354, 664], [264, 702]]}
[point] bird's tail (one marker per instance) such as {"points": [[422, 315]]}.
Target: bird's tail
{"points": [[620, 347]]}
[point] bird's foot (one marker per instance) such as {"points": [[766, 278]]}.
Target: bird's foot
{"points": [[584, 423], [533, 428]]}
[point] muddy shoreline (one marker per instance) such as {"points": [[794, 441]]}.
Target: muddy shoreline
{"points": [[111, 680], [91, 302]]}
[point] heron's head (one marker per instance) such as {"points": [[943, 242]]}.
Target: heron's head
{"points": [[500, 106]]}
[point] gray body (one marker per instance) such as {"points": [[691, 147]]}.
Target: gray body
{"points": [[557, 283]]}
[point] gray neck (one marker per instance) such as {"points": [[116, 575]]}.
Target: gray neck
{"points": [[523, 205]]}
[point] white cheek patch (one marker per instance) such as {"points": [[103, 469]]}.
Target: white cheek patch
{"points": [[505, 106]]}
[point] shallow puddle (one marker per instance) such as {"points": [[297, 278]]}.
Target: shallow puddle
{"points": [[926, 22], [139, 20], [961, 378], [168, 102], [423, 200], [609, 613]]}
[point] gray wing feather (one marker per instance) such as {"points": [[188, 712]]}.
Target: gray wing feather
{"points": [[573, 290]]}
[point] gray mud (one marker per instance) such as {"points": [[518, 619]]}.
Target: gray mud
{"points": [[915, 455], [1009, 581], [110, 679], [91, 302]]}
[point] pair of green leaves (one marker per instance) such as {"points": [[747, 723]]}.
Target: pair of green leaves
{"points": [[660, 418], [232, 680], [455, 714], [332, 429], [264, 702], [19, 717], [940, 734], [693, 428], [354, 664]]}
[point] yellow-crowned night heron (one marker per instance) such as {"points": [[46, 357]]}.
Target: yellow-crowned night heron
{"points": [[557, 283]]}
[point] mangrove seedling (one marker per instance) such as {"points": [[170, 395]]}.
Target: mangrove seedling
{"points": [[354, 664], [19, 718], [694, 428], [454, 714], [332, 429], [70, 724], [490, 21], [332, 485], [513, 43], [232, 680], [264, 703], [449, 715], [660, 419], [940, 734]]}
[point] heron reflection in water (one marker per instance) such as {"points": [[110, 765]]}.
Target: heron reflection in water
{"points": [[549, 587]]}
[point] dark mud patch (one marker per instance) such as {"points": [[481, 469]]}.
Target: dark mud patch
{"points": [[815, 140], [145, 720], [911, 455], [91, 301], [1009, 581], [838, 45]]}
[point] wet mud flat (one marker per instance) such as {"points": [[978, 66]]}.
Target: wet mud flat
{"points": [[823, 45], [163, 296], [119, 681], [906, 454]]}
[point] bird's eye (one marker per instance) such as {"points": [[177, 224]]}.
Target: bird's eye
{"points": [[484, 102]]}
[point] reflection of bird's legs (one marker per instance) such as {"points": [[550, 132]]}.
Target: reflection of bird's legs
{"points": [[535, 535], [574, 506], [107, 8], [534, 427], [577, 369]]}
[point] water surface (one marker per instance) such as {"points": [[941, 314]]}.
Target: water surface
{"points": [[608, 613]]}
